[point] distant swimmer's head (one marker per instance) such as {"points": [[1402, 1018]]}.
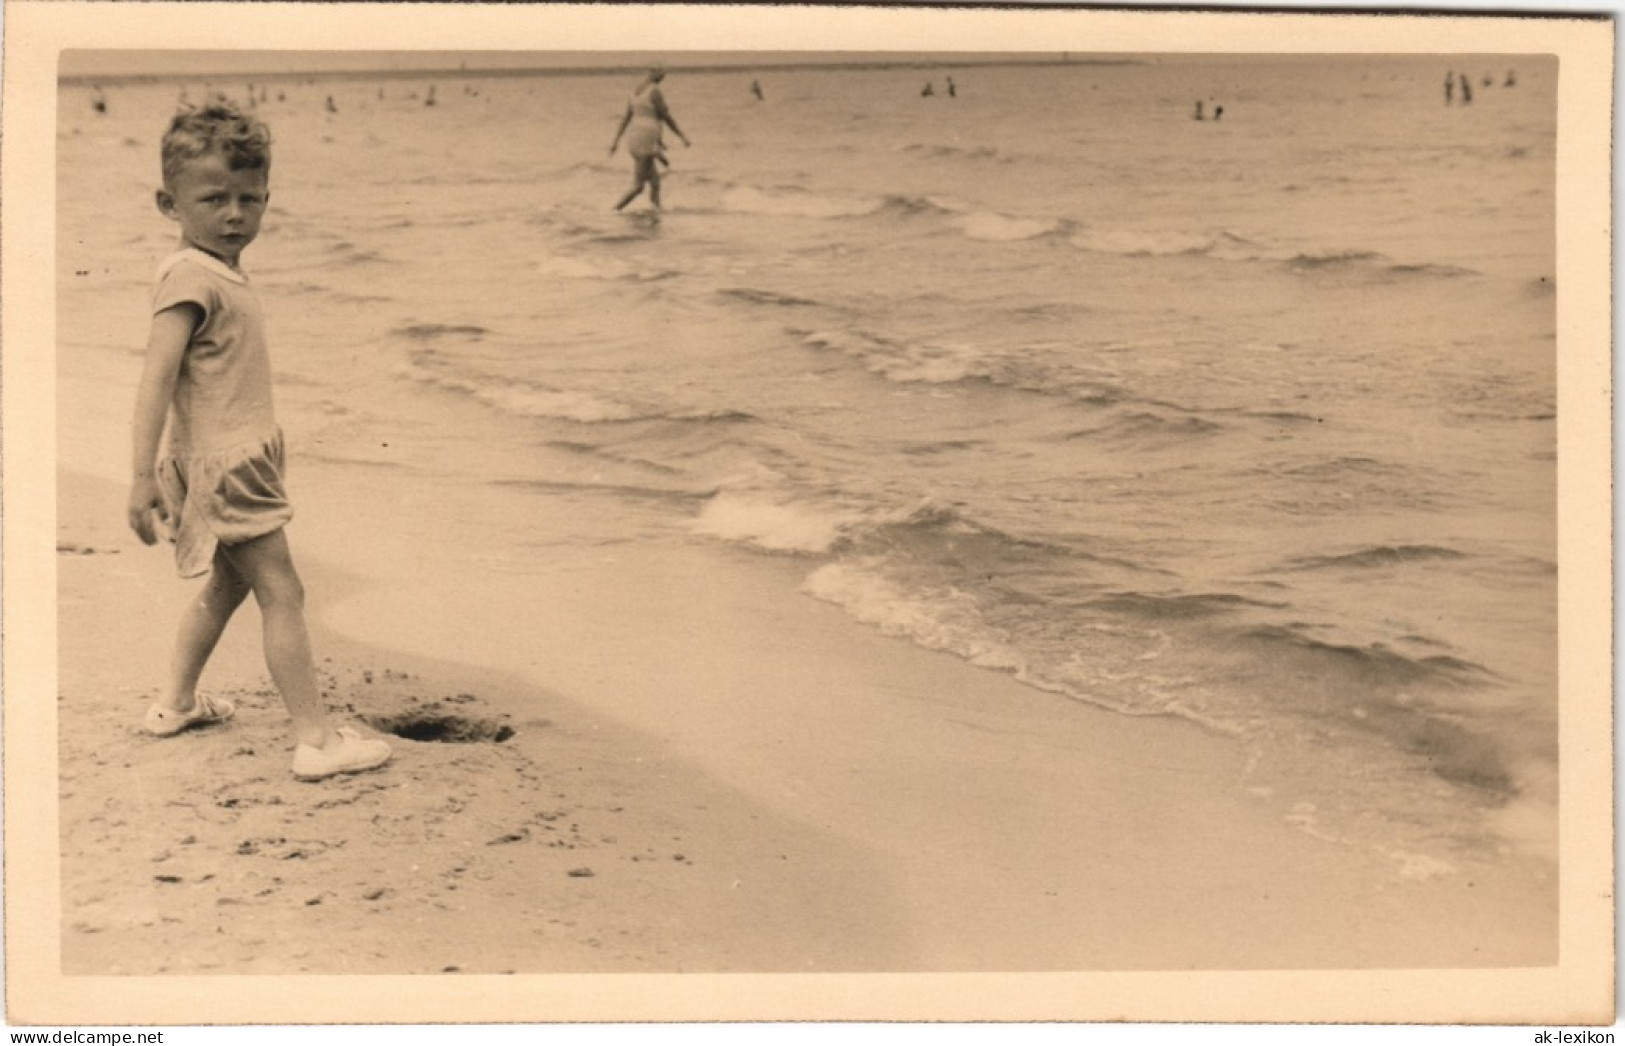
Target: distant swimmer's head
{"points": [[221, 128]]}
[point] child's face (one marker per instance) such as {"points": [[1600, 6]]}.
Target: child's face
{"points": [[218, 208]]}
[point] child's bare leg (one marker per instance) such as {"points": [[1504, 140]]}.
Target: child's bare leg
{"points": [[201, 628], [267, 565]]}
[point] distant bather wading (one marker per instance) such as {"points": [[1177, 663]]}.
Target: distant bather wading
{"points": [[646, 113]]}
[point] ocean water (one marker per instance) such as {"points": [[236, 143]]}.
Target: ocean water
{"points": [[1248, 422]]}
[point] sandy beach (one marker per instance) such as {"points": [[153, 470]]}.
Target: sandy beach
{"points": [[573, 844], [720, 786]]}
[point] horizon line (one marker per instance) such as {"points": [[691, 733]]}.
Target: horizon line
{"points": [[619, 70]]}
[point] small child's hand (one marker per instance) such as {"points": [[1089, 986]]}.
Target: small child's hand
{"points": [[146, 505]]}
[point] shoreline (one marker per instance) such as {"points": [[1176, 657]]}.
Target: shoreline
{"points": [[903, 811]]}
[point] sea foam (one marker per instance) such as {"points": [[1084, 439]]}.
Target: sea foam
{"points": [[771, 525], [946, 619]]}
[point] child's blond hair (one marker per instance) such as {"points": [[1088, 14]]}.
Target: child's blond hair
{"points": [[218, 125]]}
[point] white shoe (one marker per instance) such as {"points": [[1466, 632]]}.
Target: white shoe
{"points": [[163, 721], [352, 754]]}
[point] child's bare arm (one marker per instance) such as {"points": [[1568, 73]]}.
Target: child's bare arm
{"points": [[166, 345]]}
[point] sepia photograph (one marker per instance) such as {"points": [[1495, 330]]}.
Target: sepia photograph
{"points": [[1026, 501]]}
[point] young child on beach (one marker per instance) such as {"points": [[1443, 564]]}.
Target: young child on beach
{"points": [[218, 490]]}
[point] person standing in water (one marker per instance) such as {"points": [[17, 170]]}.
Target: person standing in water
{"points": [[646, 114]]}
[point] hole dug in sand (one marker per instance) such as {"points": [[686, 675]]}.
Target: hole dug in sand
{"points": [[434, 725]]}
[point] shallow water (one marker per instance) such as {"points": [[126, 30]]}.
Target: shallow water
{"points": [[1249, 422]]}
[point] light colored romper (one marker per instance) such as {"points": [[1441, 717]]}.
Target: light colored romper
{"points": [[222, 476]]}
